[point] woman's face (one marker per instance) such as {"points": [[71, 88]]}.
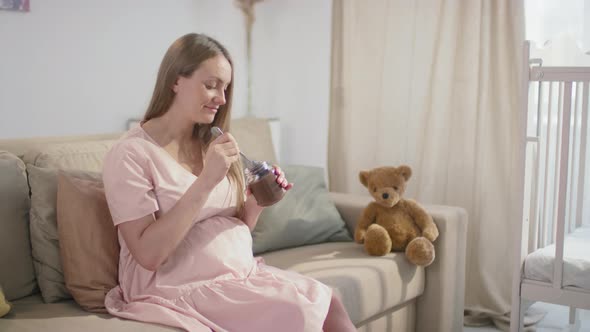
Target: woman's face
{"points": [[201, 94]]}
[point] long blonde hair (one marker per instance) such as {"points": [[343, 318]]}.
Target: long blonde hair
{"points": [[183, 57]]}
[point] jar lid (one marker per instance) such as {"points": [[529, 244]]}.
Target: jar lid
{"points": [[259, 168]]}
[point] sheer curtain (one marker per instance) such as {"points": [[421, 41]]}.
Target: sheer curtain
{"points": [[436, 85]]}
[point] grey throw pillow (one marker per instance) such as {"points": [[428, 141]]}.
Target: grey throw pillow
{"points": [[16, 265], [43, 229], [304, 216]]}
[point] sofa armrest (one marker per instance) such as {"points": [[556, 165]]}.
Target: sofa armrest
{"points": [[440, 307]]}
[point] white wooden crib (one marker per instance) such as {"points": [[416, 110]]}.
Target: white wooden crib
{"points": [[553, 258], [553, 251]]}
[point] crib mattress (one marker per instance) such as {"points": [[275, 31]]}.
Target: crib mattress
{"points": [[576, 257]]}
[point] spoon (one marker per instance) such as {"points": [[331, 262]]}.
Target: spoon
{"points": [[216, 132]]}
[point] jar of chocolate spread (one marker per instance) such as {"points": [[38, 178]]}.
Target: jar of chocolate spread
{"points": [[261, 180]]}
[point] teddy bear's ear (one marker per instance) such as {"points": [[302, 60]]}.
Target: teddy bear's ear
{"points": [[364, 177], [405, 171]]}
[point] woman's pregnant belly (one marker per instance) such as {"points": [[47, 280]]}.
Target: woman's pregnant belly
{"points": [[218, 247]]}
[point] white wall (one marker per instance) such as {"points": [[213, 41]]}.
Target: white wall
{"points": [[81, 67], [72, 67], [291, 74]]}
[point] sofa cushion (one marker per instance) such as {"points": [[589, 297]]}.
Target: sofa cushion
{"points": [[306, 215], [32, 315], [43, 229], [87, 155], [16, 265], [367, 285], [19, 146], [254, 138], [252, 134], [88, 242]]}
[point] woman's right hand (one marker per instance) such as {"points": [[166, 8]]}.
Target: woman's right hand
{"points": [[222, 152]]}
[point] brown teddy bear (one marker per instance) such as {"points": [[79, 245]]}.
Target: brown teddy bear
{"points": [[392, 223]]}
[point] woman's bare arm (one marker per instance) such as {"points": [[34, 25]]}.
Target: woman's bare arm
{"points": [[151, 241]]}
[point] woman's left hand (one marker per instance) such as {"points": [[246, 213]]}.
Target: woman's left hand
{"points": [[251, 208], [281, 181]]}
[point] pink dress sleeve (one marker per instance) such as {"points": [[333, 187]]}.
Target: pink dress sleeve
{"points": [[128, 183]]}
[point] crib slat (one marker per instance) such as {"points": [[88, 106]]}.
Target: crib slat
{"points": [[570, 214], [582, 163], [557, 165], [539, 109], [534, 207], [545, 182], [534, 214], [563, 168], [534, 203]]}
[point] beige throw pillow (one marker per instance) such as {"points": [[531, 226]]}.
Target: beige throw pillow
{"points": [[88, 241]]}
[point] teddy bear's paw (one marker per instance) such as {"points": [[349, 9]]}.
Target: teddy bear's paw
{"points": [[377, 241], [431, 233], [377, 249], [420, 251], [359, 236]]}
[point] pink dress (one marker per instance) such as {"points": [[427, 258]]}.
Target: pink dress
{"points": [[212, 281]]}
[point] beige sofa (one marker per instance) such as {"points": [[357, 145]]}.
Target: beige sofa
{"points": [[380, 293]]}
